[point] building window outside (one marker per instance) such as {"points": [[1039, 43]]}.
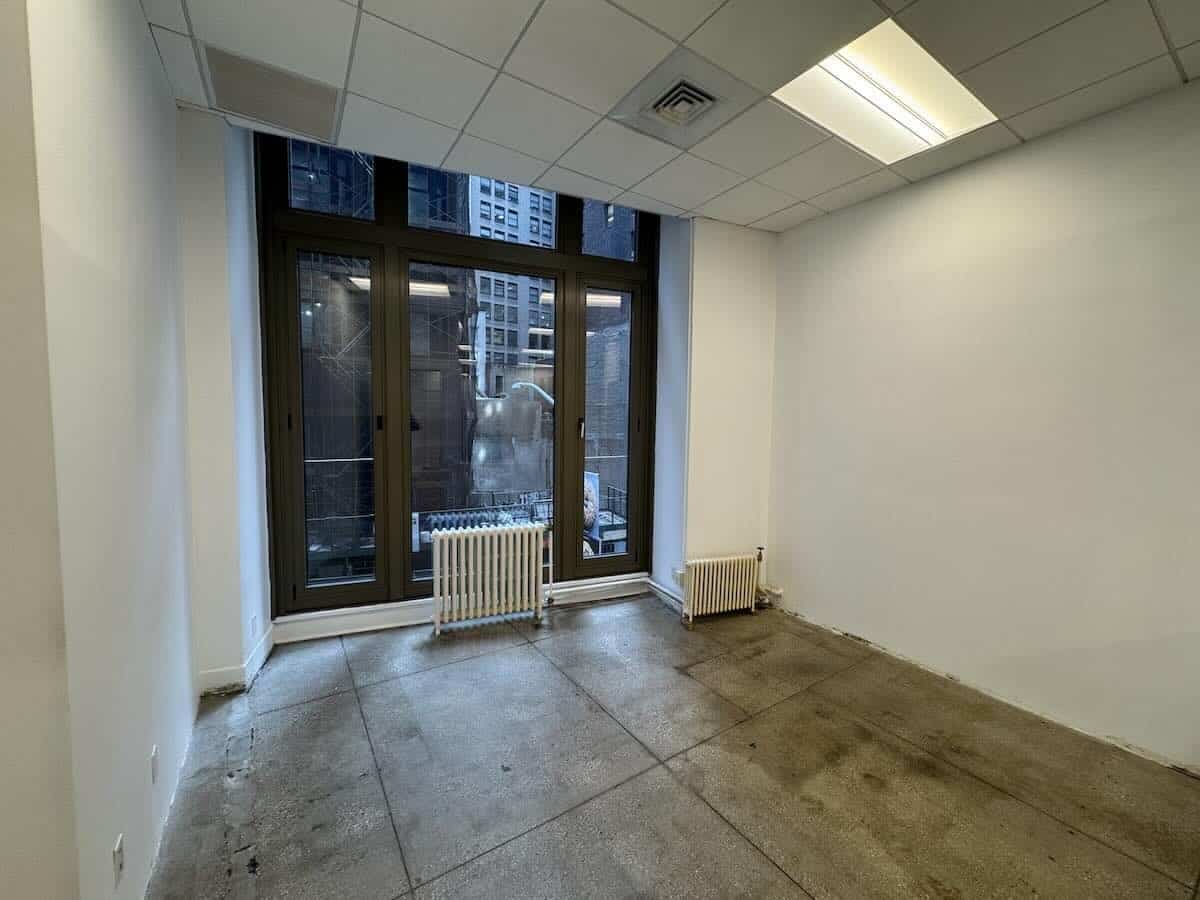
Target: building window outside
{"points": [[328, 180], [485, 232], [609, 230]]}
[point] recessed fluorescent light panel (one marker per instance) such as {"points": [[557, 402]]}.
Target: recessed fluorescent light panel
{"points": [[886, 95]]}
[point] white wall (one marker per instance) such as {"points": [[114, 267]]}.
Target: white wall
{"points": [[105, 136], [226, 465], [37, 836], [987, 421], [671, 401], [249, 416], [729, 418]]}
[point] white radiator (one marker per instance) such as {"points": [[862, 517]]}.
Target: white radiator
{"points": [[486, 571], [720, 585]]}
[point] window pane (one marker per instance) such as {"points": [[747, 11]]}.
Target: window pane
{"points": [[449, 201], [336, 415], [482, 417], [328, 180], [606, 436], [609, 230]]}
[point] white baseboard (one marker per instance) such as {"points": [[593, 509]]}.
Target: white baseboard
{"points": [[590, 590], [221, 681], [673, 599], [259, 654], [237, 678], [329, 623]]}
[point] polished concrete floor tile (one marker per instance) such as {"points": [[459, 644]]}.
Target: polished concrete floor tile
{"points": [[311, 749], [650, 837], [643, 631], [760, 673], [632, 666], [660, 705], [736, 628], [850, 811], [380, 655], [581, 616], [479, 751], [299, 672], [337, 845], [1139, 807]]}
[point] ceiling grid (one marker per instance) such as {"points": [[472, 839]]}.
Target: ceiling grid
{"points": [[1036, 65]]}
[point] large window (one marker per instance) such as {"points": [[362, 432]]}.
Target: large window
{"points": [[421, 378], [482, 419], [337, 417]]}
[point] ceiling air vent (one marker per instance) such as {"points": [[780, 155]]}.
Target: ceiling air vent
{"points": [[682, 104]]}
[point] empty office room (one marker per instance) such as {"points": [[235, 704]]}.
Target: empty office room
{"points": [[554, 449]]}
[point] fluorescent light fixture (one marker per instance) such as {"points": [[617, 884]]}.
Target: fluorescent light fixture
{"points": [[886, 95], [363, 284], [428, 289], [534, 329], [534, 352], [547, 297], [598, 299]]}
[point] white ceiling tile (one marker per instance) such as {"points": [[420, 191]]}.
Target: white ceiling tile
{"points": [[817, 170], [1101, 42], [961, 35], [476, 157], [587, 51], [485, 31], [688, 181], [974, 145], [1182, 18], [528, 119], [407, 71], [648, 204], [857, 191], [759, 139], [1141, 81], [677, 18], [770, 42], [1190, 57], [567, 182], [745, 203], [167, 13], [374, 128], [789, 218], [617, 154], [179, 59], [266, 30]]}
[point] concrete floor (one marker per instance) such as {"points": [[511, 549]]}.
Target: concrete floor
{"points": [[612, 753]]}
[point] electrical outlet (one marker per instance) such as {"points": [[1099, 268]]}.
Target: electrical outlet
{"points": [[154, 764], [118, 859]]}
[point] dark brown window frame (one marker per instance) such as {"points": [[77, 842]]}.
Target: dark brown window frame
{"points": [[392, 244]]}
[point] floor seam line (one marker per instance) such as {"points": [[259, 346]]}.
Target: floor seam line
{"points": [[604, 708], [679, 780], [387, 801], [624, 781], [959, 768], [754, 715], [452, 662]]}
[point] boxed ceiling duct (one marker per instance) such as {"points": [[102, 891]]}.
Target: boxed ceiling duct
{"points": [[256, 91]]}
